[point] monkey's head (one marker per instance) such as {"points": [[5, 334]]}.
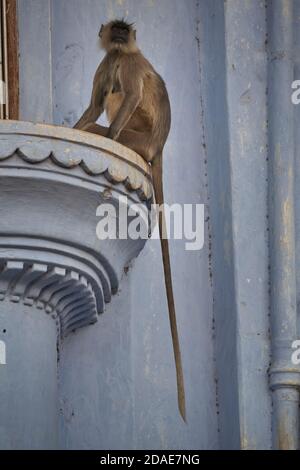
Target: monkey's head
{"points": [[118, 34]]}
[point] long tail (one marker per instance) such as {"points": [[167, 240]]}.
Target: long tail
{"points": [[157, 174]]}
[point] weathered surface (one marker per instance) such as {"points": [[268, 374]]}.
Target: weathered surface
{"points": [[226, 123]]}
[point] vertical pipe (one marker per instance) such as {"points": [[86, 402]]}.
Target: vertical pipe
{"points": [[285, 431], [284, 376]]}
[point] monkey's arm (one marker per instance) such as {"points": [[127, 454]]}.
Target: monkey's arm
{"points": [[96, 106], [90, 115], [132, 86]]}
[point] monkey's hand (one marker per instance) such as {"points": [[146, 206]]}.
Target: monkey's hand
{"points": [[89, 116]]}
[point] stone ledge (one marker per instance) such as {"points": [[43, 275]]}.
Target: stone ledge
{"points": [[52, 181], [36, 143]]}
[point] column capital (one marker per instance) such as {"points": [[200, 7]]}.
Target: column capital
{"points": [[52, 180]]}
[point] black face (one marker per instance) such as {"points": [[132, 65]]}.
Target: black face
{"points": [[120, 32]]}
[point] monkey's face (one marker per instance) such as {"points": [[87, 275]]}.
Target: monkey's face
{"points": [[117, 35]]}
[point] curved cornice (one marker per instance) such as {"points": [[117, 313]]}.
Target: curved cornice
{"points": [[52, 181], [70, 148]]}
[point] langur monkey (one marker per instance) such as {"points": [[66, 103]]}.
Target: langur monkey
{"points": [[137, 105]]}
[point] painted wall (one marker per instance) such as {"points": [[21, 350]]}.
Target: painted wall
{"points": [[233, 63], [116, 378]]}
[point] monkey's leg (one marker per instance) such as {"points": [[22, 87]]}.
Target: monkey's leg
{"points": [[137, 141], [95, 129]]}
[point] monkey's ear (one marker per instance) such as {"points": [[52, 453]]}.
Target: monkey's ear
{"points": [[101, 30]]}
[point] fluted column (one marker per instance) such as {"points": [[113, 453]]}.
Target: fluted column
{"points": [[55, 273]]}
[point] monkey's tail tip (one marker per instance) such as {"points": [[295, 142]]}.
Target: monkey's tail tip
{"points": [[181, 406]]}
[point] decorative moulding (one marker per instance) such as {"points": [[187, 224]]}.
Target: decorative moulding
{"points": [[52, 181], [35, 143]]}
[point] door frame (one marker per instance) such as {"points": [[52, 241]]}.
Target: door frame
{"points": [[10, 57]]}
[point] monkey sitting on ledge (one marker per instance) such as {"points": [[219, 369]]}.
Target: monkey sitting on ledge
{"points": [[137, 105]]}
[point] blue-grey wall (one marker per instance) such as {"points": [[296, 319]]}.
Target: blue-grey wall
{"points": [[233, 85]]}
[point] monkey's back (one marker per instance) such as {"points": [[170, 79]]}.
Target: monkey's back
{"points": [[153, 114], [156, 104]]}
